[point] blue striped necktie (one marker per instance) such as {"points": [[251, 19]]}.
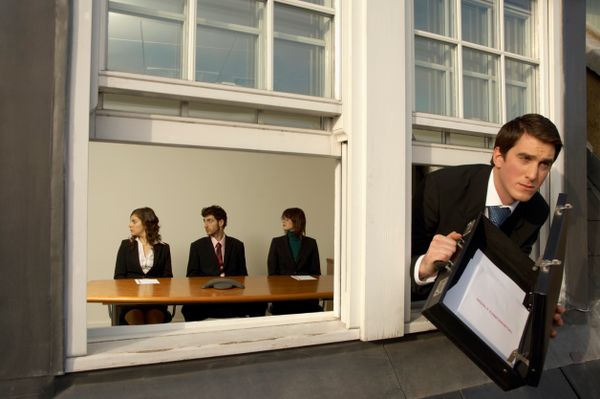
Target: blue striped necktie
{"points": [[498, 214]]}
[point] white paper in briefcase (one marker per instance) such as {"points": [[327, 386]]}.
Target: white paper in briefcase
{"points": [[490, 303]]}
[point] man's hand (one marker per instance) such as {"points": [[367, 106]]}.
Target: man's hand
{"points": [[557, 319], [440, 249]]}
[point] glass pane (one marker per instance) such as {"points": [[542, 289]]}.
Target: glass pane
{"points": [[222, 112], [236, 12], [427, 136], [466, 140], [228, 41], [435, 86], [326, 3], [480, 86], [520, 88], [291, 120], [145, 45], [172, 6], [592, 14], [479, 22], [518, 27], [144, 105], [436, 16], [301, 52], [224, 56]]}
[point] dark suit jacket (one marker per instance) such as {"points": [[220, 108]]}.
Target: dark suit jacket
{"points": [[128, 261], [280, 260], [451, 197], [203, 259]]}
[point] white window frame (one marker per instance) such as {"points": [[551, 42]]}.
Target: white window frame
{"points": [[367, 305], [550, 85], [540, 15]]}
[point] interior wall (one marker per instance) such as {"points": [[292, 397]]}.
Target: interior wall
{"points": [[177, 182]]}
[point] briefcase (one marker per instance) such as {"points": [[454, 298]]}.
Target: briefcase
{"points": [[496, 304]]}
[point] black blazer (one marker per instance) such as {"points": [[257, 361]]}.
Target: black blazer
{"points": [[128, 261], [203, 259], [449, 198], [280, 260]]}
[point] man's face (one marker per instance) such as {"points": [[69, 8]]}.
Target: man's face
{"points": [[522, 170], [213, 226]]}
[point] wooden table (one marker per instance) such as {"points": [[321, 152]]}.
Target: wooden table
{"points": [[176, 291]]}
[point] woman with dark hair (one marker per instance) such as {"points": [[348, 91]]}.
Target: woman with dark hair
{"points": [[294, 254], [143, 255]]}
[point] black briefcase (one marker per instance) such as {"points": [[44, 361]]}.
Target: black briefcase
{"points": [[461, 309]]}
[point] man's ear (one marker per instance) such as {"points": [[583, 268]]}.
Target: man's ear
{"points": [[221, 223], [497, 157]]}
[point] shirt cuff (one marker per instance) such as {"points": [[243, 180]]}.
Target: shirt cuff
{"points": [[418, 281]]}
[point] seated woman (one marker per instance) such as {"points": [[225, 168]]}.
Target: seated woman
{"points": [[294, 254], [143, 255]]}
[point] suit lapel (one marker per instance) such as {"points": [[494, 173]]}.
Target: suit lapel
{"points": [[475, 203]]}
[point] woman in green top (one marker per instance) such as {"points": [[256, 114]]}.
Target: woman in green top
{"points": [[294, 254]]}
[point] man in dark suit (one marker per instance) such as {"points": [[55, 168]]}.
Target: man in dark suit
{"points": [[449, 198], [215, 255]]}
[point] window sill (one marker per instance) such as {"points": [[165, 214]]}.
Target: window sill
{"points": [[139, 345], [122, 82]]}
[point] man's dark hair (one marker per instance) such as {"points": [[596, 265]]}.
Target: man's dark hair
{"points": [[535, 125], [296, 215], [216, 211]]}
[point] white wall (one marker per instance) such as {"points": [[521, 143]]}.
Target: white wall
{"points": [[254, 188]]}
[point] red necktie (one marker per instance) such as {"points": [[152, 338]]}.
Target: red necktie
{"points": [[219, 256]]}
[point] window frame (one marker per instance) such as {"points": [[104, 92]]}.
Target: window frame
{"points": [[539, 14]]}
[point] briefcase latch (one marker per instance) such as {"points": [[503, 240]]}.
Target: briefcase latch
{"points": [[515, 355], [545, 264]]}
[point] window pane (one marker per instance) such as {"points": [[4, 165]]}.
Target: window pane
{"points": [[592, 13], [480, 86], [326, 3], [228, 41], [226, 57], [479, 22], [291, 120], [146, 45], [466, 140], [435, 86], [436, 16], [520, 88], [518, 27], [234, 12], [301, 51], [222, 112], [140, 104], [171, 6]]}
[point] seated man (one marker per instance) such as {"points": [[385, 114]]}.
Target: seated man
{"points": [[216, 255]]}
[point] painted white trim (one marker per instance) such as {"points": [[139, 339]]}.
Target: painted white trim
{"points": [[127, 127], [142, 345], [447, 123], [380, 159], [77, 175], [448, 155], [122, 82]]}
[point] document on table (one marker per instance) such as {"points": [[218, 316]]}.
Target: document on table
{"points": [[490, 303], [146, 281], [302, 277]]}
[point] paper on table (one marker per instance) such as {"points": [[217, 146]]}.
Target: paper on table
{"points": [[301, 277], [146, 281], [490, 303]]}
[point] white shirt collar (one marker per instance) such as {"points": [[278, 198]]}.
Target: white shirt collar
{"points": [[493, 199]]}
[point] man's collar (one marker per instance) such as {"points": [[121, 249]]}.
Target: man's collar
{"points": [[492, 198]]}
